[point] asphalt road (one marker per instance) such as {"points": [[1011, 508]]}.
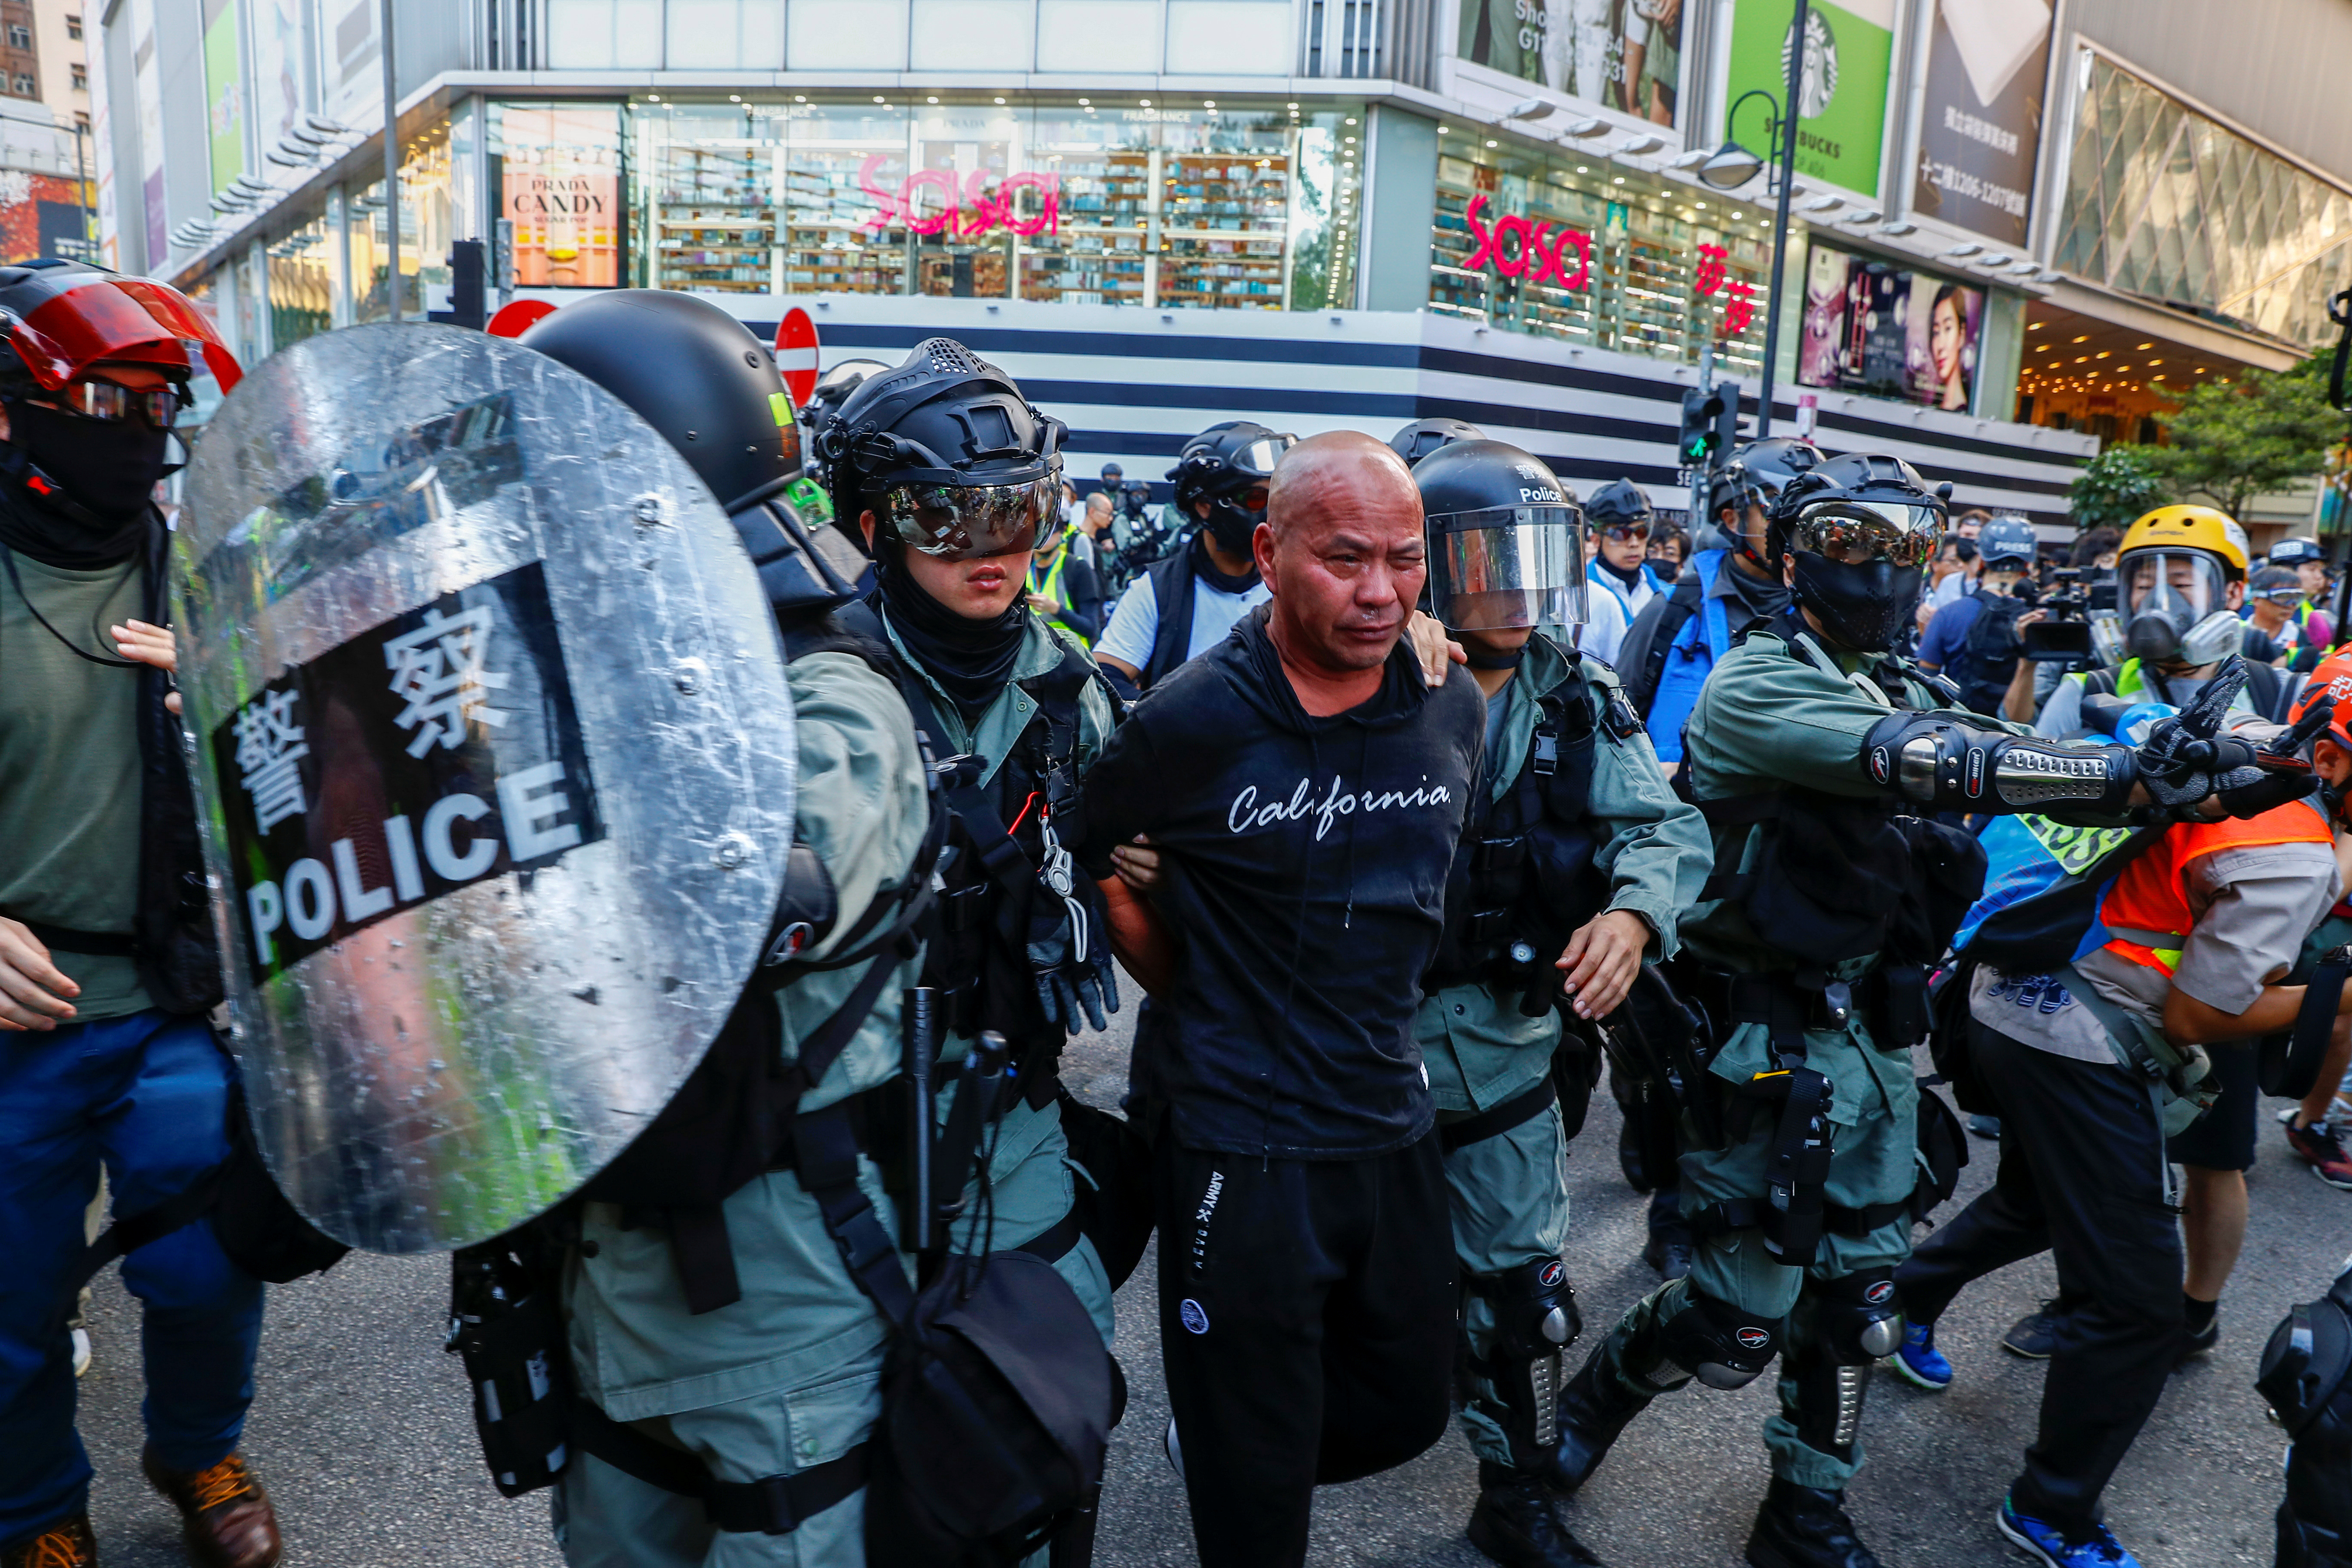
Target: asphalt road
{"points": [[361, 1431]]}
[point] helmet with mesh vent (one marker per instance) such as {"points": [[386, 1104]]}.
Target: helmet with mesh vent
{"points": [[943, 417]]}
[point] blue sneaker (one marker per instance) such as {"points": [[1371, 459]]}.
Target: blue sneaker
{"points": [[1918, 1363], [2052, 1550]]}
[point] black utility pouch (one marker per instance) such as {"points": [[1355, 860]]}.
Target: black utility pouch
{"points": [[998, 1399], [507, 1326]]}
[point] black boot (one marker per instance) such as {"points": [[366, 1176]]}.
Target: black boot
{"points": [[1592, 1411], [1514, 1523], [1805, 1527], [1669, 1251]]}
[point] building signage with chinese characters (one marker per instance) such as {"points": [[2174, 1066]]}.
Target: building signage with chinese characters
{"points": [[1980, 123], [429, 752]]}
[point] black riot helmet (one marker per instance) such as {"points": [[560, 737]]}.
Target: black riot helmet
{"points": [[1861, 529], [1422, 437], [1757, 472], [1619, 504], [948, 456], [833, 389], [692, 372], [1505, 538], [699, 377], [1229, 465]]}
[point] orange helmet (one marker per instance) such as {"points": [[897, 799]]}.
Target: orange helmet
{"points": [[63, 316], [2332, 679]]}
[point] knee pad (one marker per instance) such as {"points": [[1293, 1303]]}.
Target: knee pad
{"points": [[1534, 1307], [1721, 1345], [1534, 1317], [1856, 1318]]}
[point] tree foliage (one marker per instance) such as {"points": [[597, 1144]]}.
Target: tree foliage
{"points": [[2115, 488], [2232, 441]]}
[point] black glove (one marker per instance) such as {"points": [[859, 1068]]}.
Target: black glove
{"points": [[1069, 955], [2186, 758]]}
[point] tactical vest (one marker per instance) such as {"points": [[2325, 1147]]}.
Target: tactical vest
{"points": [[1524, 881], [1174, 585], [1693, 635]]}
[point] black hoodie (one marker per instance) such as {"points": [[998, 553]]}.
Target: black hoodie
{"points": [[1306, 879]]}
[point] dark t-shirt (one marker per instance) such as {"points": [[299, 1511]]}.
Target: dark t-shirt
{"points": [[1307, 861]]}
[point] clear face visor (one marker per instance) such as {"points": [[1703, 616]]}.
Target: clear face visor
{"points": [[1260, 457], [1504, 567], [963, 522], [2182, 586], [1855, 533]]}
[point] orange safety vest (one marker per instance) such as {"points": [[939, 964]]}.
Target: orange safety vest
{"points": [[2150, 900]]}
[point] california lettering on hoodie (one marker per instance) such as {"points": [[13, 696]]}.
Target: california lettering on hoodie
{"points": [[1306, 861]]}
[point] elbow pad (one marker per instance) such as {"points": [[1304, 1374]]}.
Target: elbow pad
{"points": [[1942, 761]]}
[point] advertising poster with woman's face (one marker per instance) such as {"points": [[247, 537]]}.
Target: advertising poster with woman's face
{"points": [[1884, 332]]}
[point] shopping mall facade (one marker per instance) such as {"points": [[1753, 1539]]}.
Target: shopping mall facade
{"points": [[1317, 213]]}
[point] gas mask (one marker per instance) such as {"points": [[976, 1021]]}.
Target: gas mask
{"points": [[2176, 608]]}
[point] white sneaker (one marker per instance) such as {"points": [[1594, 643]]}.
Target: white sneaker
{"points": [[80, 1351]]}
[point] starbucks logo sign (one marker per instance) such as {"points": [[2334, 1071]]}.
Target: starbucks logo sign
{"points": [[1819, 84]]}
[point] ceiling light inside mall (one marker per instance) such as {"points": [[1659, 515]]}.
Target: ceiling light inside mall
{"points": [[1000, 100], [1498, 145], [2106, 354], [2083, 339], [879, 98], [2144, 347], [2154, 362], [1144, 101], [933, 99], [1443, 130], [1618, 180], [734, 98], [1581, 169], [656, 97], [1731, 167], [802, 98]]}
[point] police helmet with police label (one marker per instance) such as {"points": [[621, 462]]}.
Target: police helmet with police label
{"points": [[1505, 538], [692, 372], [1422, 437], [946, 453]]}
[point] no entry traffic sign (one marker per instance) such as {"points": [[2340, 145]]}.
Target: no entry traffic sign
{"points": [[797, 354]]}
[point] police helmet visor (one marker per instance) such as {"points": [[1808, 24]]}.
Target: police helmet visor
{"points": [[964, 522], [2183, 586], [1258, 458], [1855, 533], [1498, 568]]}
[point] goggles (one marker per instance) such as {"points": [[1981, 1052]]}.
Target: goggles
{"points": [[965, 523], [2185, 585], [1506, 566], [1855, 533], [1622, 533], [113, 404]]}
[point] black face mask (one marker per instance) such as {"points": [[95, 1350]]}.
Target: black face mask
{"points": [[971, 660], [1233, 528], [1864, 607], [109, 468]]}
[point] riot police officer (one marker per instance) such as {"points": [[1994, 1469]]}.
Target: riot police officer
{"points": [[951, 475], [1418, 439], [1799, 1163], [1576, 860], [1187, 602], [785, 1372]]}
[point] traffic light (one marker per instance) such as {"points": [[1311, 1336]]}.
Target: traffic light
{"points": [[1711, 426]]}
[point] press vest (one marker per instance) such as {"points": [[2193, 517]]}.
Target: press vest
{"points": [[1701, 637], [2148, 911]]}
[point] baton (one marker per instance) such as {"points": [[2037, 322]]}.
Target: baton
{"points": [[919, 1028]]}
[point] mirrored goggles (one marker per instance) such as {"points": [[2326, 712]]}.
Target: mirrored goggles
{"points": [[1624, 533], [2184, 586], [107, 401], [1260, 457], [963, 522], [1857, 532], [1502, 567]]}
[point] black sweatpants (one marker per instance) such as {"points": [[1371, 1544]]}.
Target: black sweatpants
{"points": [[2081, 1175], [1306, 1324]]}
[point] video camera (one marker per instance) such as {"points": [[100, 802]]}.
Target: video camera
{"points": [[2081, 627]]}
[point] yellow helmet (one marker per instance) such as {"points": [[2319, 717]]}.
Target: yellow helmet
{"points": [[2190, 528]]}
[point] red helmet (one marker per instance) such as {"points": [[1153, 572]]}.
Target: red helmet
{"points": [[2332, 679], [64, 317]]}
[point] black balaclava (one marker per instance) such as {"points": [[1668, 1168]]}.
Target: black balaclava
{"points": [[107, 472], [1864, 607], [1233, 527], [1206, 569], [971, 660]]}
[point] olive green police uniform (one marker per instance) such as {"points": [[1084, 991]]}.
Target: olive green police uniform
{"points": [[788, 1377], [1483, 1053], [1775, 716]]}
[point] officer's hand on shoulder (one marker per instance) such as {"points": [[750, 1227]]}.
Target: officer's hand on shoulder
{"points": [[1435, 650], [1138, 864], [32, 989]]}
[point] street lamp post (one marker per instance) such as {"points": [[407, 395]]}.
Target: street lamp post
{"points": [[1733, 167]]}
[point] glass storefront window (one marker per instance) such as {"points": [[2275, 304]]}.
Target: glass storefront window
{"points": [[555, 171], [1237, 207], [302, 280], [1545, 245]]}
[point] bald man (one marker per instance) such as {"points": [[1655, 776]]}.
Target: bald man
{"points": [[1305, 787]]}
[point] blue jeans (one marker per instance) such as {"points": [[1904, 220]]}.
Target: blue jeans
{"points": [[148, 1095]]}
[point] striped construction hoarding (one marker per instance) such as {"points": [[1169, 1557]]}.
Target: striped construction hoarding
{"points": [[1132, 384]]}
